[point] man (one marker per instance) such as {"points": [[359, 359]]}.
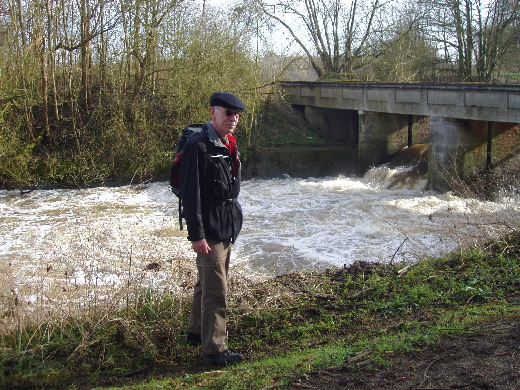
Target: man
{"points": [[210, 184]]}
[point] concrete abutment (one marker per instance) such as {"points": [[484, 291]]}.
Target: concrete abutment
{"points": [[459, 149], [382, 135]]}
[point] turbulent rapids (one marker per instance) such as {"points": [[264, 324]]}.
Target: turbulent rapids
{"points": [[87, 243]]}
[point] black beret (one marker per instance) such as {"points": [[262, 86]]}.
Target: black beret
{"points": [[227, 100]]}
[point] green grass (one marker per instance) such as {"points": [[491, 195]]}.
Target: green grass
{"points": [[511, 76], [279, 126], [286, 327]]}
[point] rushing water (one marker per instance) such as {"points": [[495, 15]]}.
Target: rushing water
{"points": [[295, 224], [63, 240]]}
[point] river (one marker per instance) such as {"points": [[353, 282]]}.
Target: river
{"points": [[84, 245]]}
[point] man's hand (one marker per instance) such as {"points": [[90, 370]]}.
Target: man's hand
{"points": [[201, 247]]}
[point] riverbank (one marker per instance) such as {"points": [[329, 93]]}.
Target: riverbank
{"points": [[483, 357], [135, 155], [289, 328]]}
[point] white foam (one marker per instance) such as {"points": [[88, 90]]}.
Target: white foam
{"points": [[105, 234], [319, 222]]}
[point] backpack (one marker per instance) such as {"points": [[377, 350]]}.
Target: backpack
{"points": [[175, 173]]}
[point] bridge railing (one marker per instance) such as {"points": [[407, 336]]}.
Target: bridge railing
{"points": [[498, 103]]}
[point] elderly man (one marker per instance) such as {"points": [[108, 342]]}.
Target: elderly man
{"points": [[210, 184]]}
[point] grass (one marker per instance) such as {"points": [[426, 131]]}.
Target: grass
{"points": [[510, 77], [286, 327], [279, 126]]}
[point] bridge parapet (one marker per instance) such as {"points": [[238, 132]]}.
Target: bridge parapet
{"points": [[460, 101]]}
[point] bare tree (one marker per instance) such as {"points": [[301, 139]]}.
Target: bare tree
{"points": [[143, 25], [404, 54], [333, 35], [149, 63], [475, 32], [92, 24], [498, 32]]}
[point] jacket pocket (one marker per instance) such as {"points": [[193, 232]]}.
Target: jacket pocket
{"points": [[217, 179]]}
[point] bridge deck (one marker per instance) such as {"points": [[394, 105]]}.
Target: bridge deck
{"points": [[498, 103]]}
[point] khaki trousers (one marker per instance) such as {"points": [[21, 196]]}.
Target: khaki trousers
{"points": [[208, 311]]}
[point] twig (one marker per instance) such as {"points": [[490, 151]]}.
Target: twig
{"points": [[426, 370], [402, 243]]}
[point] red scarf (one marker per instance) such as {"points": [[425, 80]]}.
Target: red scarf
{"points": [[231, 144]]}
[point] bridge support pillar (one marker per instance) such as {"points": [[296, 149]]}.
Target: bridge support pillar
{"points": [[380, 136], [458, 150]]}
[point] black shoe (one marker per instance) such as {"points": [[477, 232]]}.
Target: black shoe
{"points": [[221, 359], [194, 339]]}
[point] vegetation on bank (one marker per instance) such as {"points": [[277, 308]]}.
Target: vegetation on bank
{"points": [[127, 156], [286, 327], [94, 92]]}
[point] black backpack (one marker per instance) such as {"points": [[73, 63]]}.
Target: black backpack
{"points": [[175, 172]]}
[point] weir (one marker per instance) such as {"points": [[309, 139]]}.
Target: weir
{"points": [[470, 128]]}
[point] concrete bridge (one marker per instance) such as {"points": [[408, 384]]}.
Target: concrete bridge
{"points": [[470, 127]]}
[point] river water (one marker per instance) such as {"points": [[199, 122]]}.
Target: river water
{"points": [[83, 245]]}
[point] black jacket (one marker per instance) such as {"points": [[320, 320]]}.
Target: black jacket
{"points": [[209, 190]]}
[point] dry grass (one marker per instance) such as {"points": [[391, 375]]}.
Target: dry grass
{"points": [[69, 286]]}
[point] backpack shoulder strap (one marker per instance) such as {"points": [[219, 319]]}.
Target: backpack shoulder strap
{"points": [[187, 133]]}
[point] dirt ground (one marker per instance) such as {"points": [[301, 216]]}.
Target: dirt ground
{"points": [[487, 358]]}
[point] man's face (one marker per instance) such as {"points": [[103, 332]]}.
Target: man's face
{"points": [[224, 120]]}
